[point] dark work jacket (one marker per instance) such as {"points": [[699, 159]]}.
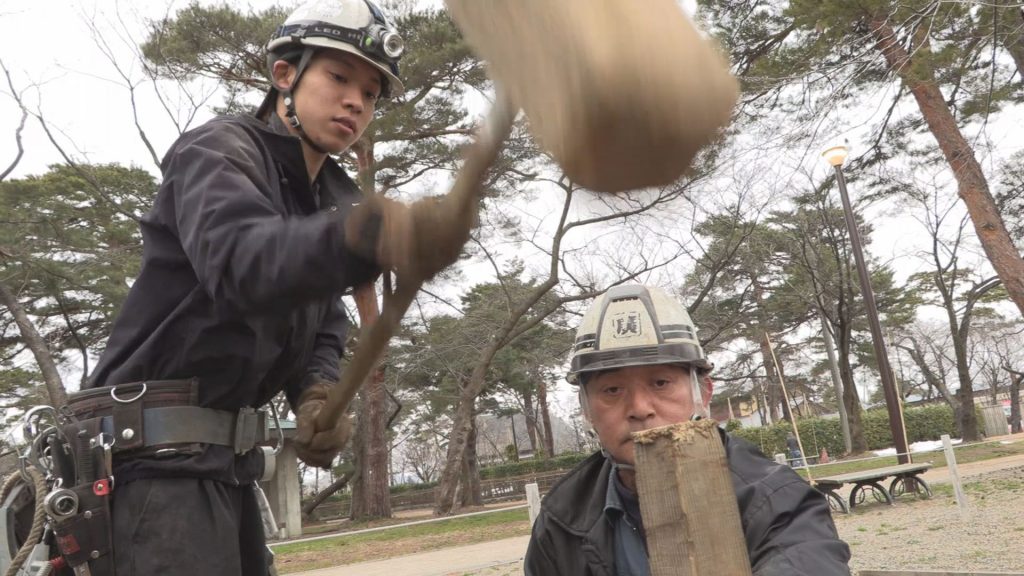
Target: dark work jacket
{"points": [[243, 268], [787, 524]]}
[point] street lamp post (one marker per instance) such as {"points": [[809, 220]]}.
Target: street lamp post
{"points": [[836, 156]]}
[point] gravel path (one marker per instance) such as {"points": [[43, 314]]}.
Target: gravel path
{"points": [[933, 534], [929, 534]]}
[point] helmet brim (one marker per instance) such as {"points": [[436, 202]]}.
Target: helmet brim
{"points": [[645, 360]]}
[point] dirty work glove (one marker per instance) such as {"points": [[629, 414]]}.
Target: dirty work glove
{"points": [[417, 240], [318, 447]]}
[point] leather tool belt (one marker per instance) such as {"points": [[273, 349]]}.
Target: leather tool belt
{"points": [[153, 418], [161, 417]]}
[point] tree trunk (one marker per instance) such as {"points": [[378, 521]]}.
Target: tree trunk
{"points": [[358, 507], [967, 419], [371, 494], [34, 341], [463, 419], [471, 493], [545, 415], [965, 395], [531, 421], [1015, 425], [762, 406], [771, 386], [338, 484], [837, 382], [1009, 23], [994, 387], [972, 186], [854, 413], [858, 442], [934, 382], [515, 437]]}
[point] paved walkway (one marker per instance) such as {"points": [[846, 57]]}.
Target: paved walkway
{"points": [[458, 560], [941, 475]]}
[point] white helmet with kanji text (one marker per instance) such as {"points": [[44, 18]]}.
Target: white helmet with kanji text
{"points": [[634, 325]]}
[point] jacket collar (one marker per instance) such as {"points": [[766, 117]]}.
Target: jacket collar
{"points": [[581, 496], [335, 185]]}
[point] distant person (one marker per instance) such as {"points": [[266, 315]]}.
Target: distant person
{"points": [[796, 457], [638, 365]]}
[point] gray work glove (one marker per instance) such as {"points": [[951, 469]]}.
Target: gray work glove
{"points": [[317, 447], [417, 240]]}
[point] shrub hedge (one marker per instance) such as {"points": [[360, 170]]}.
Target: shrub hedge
{"points": [[534, 466], [923, 423]]}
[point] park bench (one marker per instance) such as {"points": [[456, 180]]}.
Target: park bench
{"points": [[904, 477]]}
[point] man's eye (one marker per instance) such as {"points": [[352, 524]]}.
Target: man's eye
{"points": [[662, 383], [612, 390], [339, 78], [372, 96]]}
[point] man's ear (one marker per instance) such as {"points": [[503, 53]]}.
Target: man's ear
{"points": [[707, 387], [283, 75]]}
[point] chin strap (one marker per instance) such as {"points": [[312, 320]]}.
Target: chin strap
{"points": [[700, 409], [289, 101]]}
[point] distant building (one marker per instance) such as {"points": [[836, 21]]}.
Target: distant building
{"points": [[742, 407]]}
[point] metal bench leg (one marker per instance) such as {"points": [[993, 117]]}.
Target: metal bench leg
{"points": [[857, 494], [836, 502], [910, 483], [923, 490]]}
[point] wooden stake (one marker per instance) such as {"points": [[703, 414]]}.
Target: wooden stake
{"points": [[954, 474], [687, 501], [785, 395]]}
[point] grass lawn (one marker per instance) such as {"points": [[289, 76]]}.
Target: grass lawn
{"points": [[348, 549]]}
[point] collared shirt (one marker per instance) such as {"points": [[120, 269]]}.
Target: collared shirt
{"points": [[623, 510]]}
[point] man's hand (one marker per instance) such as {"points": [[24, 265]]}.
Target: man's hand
{"points": [[317, 447], [417, 240]]}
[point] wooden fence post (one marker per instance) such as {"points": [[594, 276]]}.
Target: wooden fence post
{"points": [[533, 499]]}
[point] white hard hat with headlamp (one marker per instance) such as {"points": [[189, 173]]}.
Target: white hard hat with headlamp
{"points": [[356, 27]]}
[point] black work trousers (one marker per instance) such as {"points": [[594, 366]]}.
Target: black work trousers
{"points": [[187, 527]]}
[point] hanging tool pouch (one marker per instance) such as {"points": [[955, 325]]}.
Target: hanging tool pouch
{"points": [[81, 512], [101, 424]]}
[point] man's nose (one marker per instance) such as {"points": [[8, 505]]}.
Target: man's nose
{"points": [[353, 100], [640, 404]]}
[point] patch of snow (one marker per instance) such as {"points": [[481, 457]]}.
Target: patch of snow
{"points": [[923, 446]]}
